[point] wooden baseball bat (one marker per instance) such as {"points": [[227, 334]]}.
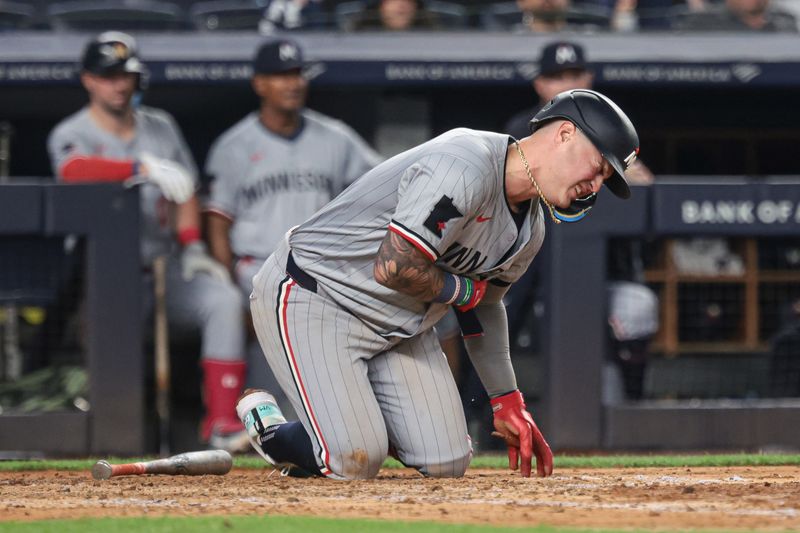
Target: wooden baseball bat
{"points": [[216, 462], [161, 341]]}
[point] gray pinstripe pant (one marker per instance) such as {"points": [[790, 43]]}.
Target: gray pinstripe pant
{"points": [[356, 392]]}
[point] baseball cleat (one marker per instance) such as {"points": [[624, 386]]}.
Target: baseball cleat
{"points": [[258, 410]]}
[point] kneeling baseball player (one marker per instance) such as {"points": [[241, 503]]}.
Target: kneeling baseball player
{"points": [[345, 307]]}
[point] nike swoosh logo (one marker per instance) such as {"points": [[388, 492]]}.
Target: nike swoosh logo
{"points": [[482, 218]]}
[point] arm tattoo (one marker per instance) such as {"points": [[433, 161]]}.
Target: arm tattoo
{"points": [[400, 266]]}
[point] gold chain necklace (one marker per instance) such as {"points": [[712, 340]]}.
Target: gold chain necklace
{"points": [[536, 185]]}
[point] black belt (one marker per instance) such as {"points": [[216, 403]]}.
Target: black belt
{"points": [[299, 275], [467, 320]]}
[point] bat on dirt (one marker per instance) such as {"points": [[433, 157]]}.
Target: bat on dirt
{"points": [[161, 341], [216, 462]]}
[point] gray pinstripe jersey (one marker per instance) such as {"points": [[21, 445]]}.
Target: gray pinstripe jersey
{"points": [[266, 183], [156, 133], [447, 196]]}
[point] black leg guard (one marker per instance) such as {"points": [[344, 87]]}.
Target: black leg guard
{"points": [[289, 443]]}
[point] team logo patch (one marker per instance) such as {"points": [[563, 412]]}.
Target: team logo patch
{"points": [[121, 51], [115, 51], [288, 51], [631, 158], [442, 212], [566, 54]]}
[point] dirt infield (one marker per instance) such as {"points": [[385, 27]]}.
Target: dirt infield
{"points": [[754, 498]]}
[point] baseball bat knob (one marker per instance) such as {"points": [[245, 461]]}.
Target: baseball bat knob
{"points": [[101, 470]]}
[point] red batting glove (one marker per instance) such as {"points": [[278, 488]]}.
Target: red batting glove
{"points": [[478, 290], [515, 425]]}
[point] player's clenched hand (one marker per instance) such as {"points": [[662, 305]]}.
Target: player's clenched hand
{"points": [[515, 425], [173, 179], [195, 259]]}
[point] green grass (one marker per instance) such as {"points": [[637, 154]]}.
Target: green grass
{"points": [[282, 524], [480, 461]]}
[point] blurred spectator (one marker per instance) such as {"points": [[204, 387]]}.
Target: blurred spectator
{"points": [[395, 15], [647, 15], [739, 15], [624, 17], [544, 15], [293, 14]]}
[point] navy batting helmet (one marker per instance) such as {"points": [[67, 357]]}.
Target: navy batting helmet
{"points": [[604, 123], [110, 53]]}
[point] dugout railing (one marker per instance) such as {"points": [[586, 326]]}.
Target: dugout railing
{"points": [[106, 219]]}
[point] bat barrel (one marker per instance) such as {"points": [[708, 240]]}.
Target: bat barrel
{"points": [[214, 462], [206, 462]]}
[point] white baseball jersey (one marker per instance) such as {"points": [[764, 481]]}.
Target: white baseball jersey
{"points": [[266, 183], [156, 133], [447, 197]]}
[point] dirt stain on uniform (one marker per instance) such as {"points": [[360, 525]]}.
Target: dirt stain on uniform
{"points": [[356, 464]]}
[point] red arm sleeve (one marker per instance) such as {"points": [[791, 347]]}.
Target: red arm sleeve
{"points": [[83, 169]]}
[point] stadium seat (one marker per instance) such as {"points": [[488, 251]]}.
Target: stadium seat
{"points": [[15, 16], [227, 15], [127, 15], [505, 15], [448, 14]]}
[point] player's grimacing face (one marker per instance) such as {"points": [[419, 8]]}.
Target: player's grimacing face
{"points": [[112, 92], [285, 91], [581, 169]]}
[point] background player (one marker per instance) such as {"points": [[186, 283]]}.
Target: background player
{"points": [[277, 166], [345, 307], [274, 169], [563, 67], [111, 139]]}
